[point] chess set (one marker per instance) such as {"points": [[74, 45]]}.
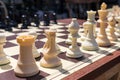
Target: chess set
{"points": [[72, 49]]}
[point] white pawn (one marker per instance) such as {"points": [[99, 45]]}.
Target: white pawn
{"points": [[90, 19], [74, 50], [36, 54], [111, 28], [3, 58], [117, 26], [89, 42], [73, 25]]}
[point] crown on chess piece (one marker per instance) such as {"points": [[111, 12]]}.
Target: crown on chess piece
{"points": [[103, 6]]}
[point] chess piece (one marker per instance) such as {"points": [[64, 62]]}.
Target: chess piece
{"points": [[111, 29], [36, 20], [74, 50], [117, 26], [26, 65], [24, 22], [50, 53], [57, 47], [8, 25], [3, 59], [91, 19], [54, 18], [89, 42], [102, 38], [73, 27], [46, 20], [36, 54]]}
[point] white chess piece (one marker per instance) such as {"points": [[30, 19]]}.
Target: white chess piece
{"points": [[3, 58], [50, 52], [102, 39], [36, 54], [73, 25], [117, 26], [74, 50], [111, 28], [26, 65], [89, 42], [57, 47], [91, 19]]}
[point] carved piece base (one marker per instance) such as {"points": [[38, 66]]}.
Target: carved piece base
{"points": [[89, 45], [3, 60], [113, 38], [51, 63], [74, 53], [103, 41], [26, 70]]}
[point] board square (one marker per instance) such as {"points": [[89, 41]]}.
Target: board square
{"points": [[9, 44]]}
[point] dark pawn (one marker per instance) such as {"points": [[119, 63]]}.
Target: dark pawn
{"points": [[25, 23], [46, 20], [54, 18], [8, 26], [36, 20]]}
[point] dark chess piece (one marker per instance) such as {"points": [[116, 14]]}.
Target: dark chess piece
{"points": [[8, 26], [25, 22], [36, 20], [46, 20], [53, 18]]}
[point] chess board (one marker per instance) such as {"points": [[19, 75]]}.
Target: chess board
{"points": [[69, 65]]}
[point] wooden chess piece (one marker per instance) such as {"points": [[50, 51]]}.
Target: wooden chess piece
{"points": [[57, 47], [89, 42], [3, 59], [46, 20], [26, 65], [74, 50], [36, 54], [54, 18], [117, 26], [50, 53], [36, 20], [102, 38], [24, 22], [8, 25], [111, 28], [73, 26], [90, 19]]}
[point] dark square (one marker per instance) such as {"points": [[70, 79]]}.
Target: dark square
{"points": [[41, 36], [63, 37], [63, 44], [10, 75], [9, 44], [65, 32], [11, 37], [39, 44]]}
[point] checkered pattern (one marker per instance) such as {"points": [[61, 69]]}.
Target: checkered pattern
{"points": [[69, 65]]}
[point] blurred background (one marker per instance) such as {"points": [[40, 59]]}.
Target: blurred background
{"points": [[63, 8]]}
